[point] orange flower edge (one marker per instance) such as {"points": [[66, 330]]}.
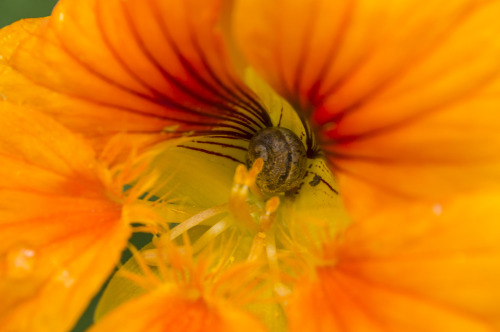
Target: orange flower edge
{"points": [[61, 233], [436, 272], [183, 291], [167, 309]]}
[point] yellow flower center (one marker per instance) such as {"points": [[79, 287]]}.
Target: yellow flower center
{"points": [[241, 233]]}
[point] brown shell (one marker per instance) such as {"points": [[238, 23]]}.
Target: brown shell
{"points": [[284, 158]]}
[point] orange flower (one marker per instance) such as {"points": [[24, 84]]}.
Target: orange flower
{"points": [[398, 101], [56, 219], [400, 93], [407, 270]]}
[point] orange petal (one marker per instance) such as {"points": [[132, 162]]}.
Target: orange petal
{"points": [[165, 309], [149, 64], [97, 122], [60, 233], [397, 104], [438, 271]]}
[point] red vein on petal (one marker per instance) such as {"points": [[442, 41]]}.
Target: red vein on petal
{"points": [[416, 58], [310, 25], [258, 112], [332, 54], [279, 63], [212, 153], [116, 55], [251, 104], [223, 145], [194, 74], [453, 99], [220, 107], [163, 102], [261, 115]]}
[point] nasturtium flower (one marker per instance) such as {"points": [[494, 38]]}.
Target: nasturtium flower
{"points": [[123, 116]]}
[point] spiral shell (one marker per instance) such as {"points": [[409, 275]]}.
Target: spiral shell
{"points": [[284, 158]]}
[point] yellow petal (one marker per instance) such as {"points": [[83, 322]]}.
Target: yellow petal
{"points": [[205, 175], [60, 232], [428, 268], [120, 289]]}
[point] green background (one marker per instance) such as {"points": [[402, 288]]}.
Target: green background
{"points": [[13, 10]]}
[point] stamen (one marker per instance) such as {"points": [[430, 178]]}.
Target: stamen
{"points": [[266, 222], [228, 251], [153, 256], [146, 229], [148, 280], [254, 171], [238, 205], [240, 282], [196, 220], [267, 218], [175, 263], [188, 249], [137, 279], [161, 260], [271, 254], [257, 167], [209, 236], [245, 182], [258, 245], [141, 212], [263, 244], [265, 239]]}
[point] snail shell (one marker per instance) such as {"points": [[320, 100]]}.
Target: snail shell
{"points": [[284, 158]]}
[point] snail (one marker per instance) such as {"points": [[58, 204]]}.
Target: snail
{"points": [[284, 158]]}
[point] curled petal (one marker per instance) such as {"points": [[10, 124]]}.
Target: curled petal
{"points": [[399, 105], [60, 232], [436, 273]]}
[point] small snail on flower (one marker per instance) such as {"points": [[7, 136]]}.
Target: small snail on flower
{"points": [[284, 157]]}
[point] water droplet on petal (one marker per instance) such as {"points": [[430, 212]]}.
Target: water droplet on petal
{"points": [[66, 278], [20, 262], [437, 209]]}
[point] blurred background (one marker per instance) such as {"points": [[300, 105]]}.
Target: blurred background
{"points": [[13, 10]]}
